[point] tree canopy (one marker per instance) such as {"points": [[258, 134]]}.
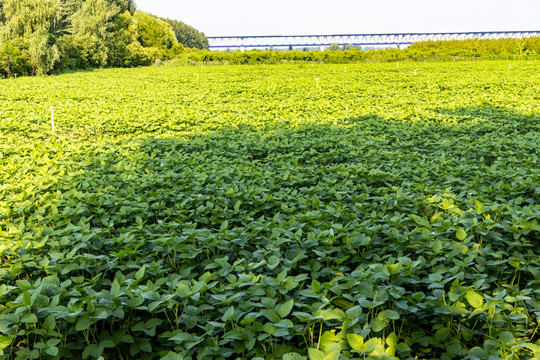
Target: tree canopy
{"points": [[45, 36]]}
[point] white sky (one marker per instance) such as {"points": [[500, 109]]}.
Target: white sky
{"points": [[322, 17]]}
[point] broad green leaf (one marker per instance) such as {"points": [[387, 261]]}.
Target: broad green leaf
{"points": [[506, 337], [5, 341], [442, 334], [437, 246], [49, 323], [270, 315], [115, 288], [140, 273], [293, 356], [29, 318], [474, 299], [84, 323], [355, 341], [461, 234], [228, 315], [388, 314], [403, 348], [315, 354], [421, 221], [333, 314], [369, 345], [172, 356], [334, 355], [378, 324], [53, 350], [285, 308]]}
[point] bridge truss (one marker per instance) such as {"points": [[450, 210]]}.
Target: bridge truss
{"points": [[323, 41]]}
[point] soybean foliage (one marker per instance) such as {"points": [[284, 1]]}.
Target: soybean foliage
{"points": [[245, 213]]}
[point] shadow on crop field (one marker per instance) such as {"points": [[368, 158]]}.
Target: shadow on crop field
{"points": [[165, 244]]}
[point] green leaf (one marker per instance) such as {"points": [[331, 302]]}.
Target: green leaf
{"points": [[92, 350], [377, 324], [29, 318], [285, 308], [506, 337], [437, 246], [5, 341], [474, 299], [115, 288], [315, 354], [334, 355], [388, 314], [461, 234], [172, 356], [442, 334], [84, 323], [293, 356], [273, 262], [370, 345], [391, 341], [334, 314], [183, 291], [355, 341], [140, 273], [49, 323], [228, 315], [270, 315], [107, 344], [420, 221], [478, 206], [53, 351], [403, 348]]}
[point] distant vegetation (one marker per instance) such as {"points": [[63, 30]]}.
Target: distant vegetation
{"points": [[51, 36], [188, 36], [46, 36], [526, 48]]}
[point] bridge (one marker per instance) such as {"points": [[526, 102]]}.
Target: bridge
{"points": [[323, 41]]}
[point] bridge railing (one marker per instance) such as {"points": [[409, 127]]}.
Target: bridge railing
{"points": [[397, 39]]}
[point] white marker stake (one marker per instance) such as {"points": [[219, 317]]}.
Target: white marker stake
{"points": [[509, 65], [414, 71], [345, 69], [397, 64], [52, 118], [317, 80], [197, 77]]}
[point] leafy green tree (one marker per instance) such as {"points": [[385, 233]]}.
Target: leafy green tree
{"points": [[14, 58], [95, 22], [25, 17], [188, 36], [34, 20], [334, 47], [353, 47], [95, 17], [43, 55], [2, 16], [154, 32]]}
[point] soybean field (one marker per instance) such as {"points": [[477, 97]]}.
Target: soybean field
{"points": [[296, 211]]}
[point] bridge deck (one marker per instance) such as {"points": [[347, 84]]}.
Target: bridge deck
{"points": [[267, 41]]}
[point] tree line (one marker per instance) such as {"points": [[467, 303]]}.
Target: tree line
{"points": [[525, 48], [47, 36]]}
